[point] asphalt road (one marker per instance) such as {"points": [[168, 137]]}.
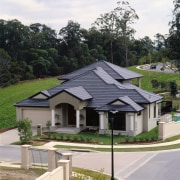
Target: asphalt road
{"points": [[162, 165]]}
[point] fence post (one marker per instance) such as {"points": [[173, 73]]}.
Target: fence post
{"points": [[65, 164], [25, 157], [52, 159], [68, 156], [161, 130]]}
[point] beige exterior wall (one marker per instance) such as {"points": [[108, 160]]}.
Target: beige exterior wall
{"points": [[66, 98], [138, 123], [56, 174], [149, 120], [152, 122], [169, 129], [40, 96], [36, 115]]}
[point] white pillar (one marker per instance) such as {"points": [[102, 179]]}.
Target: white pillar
{"points": [[52, 118], [51, 159], [68, 156], [139, 82], [132, 122], [101, 119], [77, 118], [65, 164], [25, 156]]}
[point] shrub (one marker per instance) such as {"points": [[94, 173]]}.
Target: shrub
{"points": [[25, 130], [48, 125], [82, 138], [75, 138], [62, 137], [89, 139], [67, 138]]}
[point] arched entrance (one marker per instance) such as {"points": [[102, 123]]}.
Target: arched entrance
{"points": [[71, 115], [68, 115]]}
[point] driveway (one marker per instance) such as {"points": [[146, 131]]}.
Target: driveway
{"points": [[11, 136]]}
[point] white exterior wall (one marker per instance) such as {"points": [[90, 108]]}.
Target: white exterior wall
{"points": [[138, 123], [152, 120], [149, 121]]}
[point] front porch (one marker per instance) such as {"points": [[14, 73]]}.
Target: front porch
{"points": [[67, 130]]}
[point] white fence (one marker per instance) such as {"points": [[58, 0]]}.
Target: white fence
{"points": [[57, 174], [57, 170], [165, 118]]}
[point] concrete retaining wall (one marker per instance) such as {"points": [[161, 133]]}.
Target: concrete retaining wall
{"points": [[168, 129]]}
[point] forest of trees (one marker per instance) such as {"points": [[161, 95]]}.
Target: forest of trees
{"points": [[37, 51]]}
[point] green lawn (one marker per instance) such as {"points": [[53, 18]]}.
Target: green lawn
{"points": [[160, 76], [12, 94], [18, 92]]}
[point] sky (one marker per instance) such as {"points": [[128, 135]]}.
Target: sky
{"points": [[154, 15]]}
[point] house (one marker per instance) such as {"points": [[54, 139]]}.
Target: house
{"points": [[90, 96]]}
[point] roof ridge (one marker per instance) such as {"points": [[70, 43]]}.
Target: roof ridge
{"points": [[108, 64]]}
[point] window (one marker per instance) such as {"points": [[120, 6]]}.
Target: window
{"points": [[92, 117], [139, 113], [155, 110], [119, 121]]}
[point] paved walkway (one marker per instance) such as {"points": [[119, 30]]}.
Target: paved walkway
{"points": [[53, 143], [125, 163], [11, 136]]}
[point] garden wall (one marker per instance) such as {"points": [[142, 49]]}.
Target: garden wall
{"points": [[168, 129], [56, 174]]}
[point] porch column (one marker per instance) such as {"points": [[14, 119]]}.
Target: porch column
{"points": [[101, 119], [131, 122], [139, 82], [52, 118], [77, 118]]}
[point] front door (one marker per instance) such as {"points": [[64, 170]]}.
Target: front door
{"points": [[71, 116]]}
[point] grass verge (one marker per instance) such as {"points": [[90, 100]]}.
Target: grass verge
{"points": [[160, 148]]}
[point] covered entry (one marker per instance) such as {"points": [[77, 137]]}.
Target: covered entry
{"points": [[71, 115], [119, 121]]}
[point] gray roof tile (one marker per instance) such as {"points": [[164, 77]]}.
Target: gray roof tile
{"points": [[99, 87], [113, 70], [79, 92]]}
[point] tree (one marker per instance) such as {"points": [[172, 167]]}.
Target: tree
{"points": [[5, 75], [174, 36], [155, 83], [173, 88], [73, 49], [14, 37], [117, 24], [25, 130], [42, 36]]}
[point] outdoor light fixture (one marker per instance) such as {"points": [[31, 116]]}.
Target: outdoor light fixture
{"points": [[112, 149], [112, 142]]}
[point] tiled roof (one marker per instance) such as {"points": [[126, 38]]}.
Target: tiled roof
{"points": [[130, 102], [100, 89], [33, 103], [79, 92], [113, 70], [128, 106]]}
